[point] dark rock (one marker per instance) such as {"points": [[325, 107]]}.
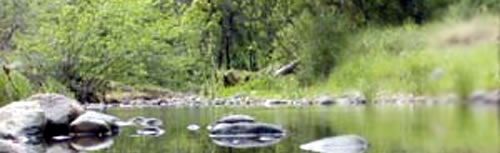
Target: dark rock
{"points": [[247, 129], [271, 103], [287, 69], [247, 142], [238, 118], [325, 101], [153, 122], [94, 123], [338, 144]]}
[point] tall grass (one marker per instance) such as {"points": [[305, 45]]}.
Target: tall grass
{"points": [[13, 86], [449, 56]]}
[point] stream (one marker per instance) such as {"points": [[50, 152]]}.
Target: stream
{"points": [[387, 129]]}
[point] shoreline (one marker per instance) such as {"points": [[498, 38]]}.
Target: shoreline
{"points": [[478, 98]]}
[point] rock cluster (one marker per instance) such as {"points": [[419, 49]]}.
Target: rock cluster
{"points": [[24, 124], [242, 131]]}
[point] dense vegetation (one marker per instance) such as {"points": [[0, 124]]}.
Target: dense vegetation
{"points": [[88, 48]]}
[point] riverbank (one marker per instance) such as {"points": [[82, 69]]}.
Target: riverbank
{"points": [[478, 98]]}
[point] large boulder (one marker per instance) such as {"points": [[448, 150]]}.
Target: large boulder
{"points": [[59, 109], [7, 146], [21, 121], [93, 124]]}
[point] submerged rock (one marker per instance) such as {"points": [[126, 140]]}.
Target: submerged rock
{"points": [[94, 124], [338, 144]]}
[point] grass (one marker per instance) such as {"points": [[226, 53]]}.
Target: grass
{"points": [[13, 87], [449, 56]]}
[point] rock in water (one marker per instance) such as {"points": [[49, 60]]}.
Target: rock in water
{"points": [[245, 129], [58, 109], [272, 103], [154, 122], [22, 120], [325, 101], [239, 118], [13, 147], [94, 124], [193, 127], [338, 144]]}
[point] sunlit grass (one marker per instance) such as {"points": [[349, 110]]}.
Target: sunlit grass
{"points": [[449, 56]]}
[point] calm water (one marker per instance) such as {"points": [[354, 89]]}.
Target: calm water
{"points": [[388, 129]]}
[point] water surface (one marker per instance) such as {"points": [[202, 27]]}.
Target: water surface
{"points": [[445, 129]]}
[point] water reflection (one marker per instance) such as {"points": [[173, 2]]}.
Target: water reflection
{"points": [[91, 143], [337, 144]]}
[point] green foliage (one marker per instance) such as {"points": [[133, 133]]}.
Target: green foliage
{"points": [[82, 46], [13, 87]]}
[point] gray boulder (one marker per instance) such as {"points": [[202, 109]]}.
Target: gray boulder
{"points": [[21, 121], [93, 123], [58, 109], [483, 97], [338, 144], [7, 146], [11, 147]]}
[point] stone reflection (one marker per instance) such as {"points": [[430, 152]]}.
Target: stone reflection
{"points": [[337, 144], [247, 142], [241, 131]]}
